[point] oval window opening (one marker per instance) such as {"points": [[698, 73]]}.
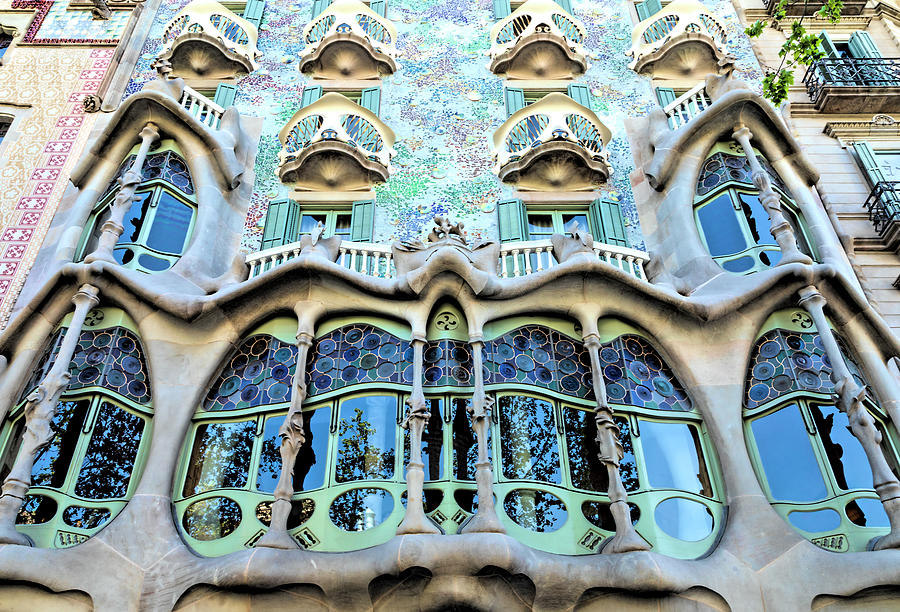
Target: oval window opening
{"points": [[867, 512], [535, 510], [816, 521], [600, 515], [301, 511], [85, 518], [211, 519], [36, 510], [684, 519], [361, 509]]}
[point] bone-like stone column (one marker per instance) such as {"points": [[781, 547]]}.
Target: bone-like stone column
{"points": [[611, 452], [771, 201], [292, 439], [485, 519], [415, 520], [128, 184], [862, 424], [39, 412]]}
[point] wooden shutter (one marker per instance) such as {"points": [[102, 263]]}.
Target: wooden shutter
{"points": [[501, 9], [868, 161], [371, 99], [225, 95], [362, 221], [647, 9], [379, 6], [253, 11], [311, 93], [513, 221], [861, 45], [665, 95], [828, 45], [566, 5], [281, 224], [581, 94], [319, 6], [606, 216], [515, 100]]}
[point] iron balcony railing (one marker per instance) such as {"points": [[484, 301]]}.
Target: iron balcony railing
{"points": [[796, 8], [851, 72], [883, 205]]}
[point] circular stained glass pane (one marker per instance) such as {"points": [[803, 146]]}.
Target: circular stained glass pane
{"points": [[759, 393], [639, 369], [253, 369], [131, 364], [524, 362], [349, 373], [567, 366], [461, 375], [643, 393], [388, 351], [211, 519], [506, 371], [102, 339], [522, 342], [795, 342], [386, 370], [609, 355], [433, 354], [322, 382], [684, 519], [565, 348], [461, 355], [115, 378], [432, 375], [137, 389], [570, 383], [782, 383], [763, 371], [613, 372], [663, 386], [249, 393], [259, 346], [543, 375], [615, 391], [239, 361], [540, 355], [653, 362], [368, 361], [808, 380], [326, 346], [353, 335], [505, 352], [535, 509], [283, 355], [281, 372], [324, 364], [769, 349], [278, 391], [802, 360], [229, 385], [538, 338], [125, 344], [361, 509], [96, 356], [817, 342], [371, 341], [351, 354], [634, 346], [88, 375]]}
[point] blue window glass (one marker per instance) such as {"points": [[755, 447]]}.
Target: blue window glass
{"points": [[721, 228], [170, 225], [366, 438]]}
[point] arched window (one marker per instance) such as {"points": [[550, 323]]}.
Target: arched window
{"points": [[733, 223], [812, 468], [89, 470], [159, 223], [551, 487]]}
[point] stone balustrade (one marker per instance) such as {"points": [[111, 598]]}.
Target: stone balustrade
{"points": [[687, 106], [201, 108]]}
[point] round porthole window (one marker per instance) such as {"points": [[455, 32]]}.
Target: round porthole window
{"points": [[211, 519], [361, 509], [535, 509]]}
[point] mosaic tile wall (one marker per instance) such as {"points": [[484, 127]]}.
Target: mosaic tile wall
{"points": [[443, 104]]}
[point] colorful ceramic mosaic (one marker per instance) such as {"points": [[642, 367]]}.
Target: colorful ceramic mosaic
{"points": [[259, 374], [786, 361], [53, 23], [636, 375]]}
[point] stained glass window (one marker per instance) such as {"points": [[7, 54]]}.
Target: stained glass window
{"points": [[636, 375], [722, 168], [259, 374]]}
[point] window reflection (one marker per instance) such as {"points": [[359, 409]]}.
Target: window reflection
{"points": [[309, 468], [366, 438], [465, 442], [721, 229], [673, 458], [221, 457], [212, 518], [535, 510], [787, 456], [528, 439], [845, 454], [52, 462], [361, 509], [109, 460], [432, 441]]}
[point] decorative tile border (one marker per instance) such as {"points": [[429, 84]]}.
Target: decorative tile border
{"points": [[69, 21]]}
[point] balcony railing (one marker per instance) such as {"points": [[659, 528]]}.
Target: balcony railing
{"points": [[677, 21], [554, 118], [537, 19], [516, 258], [687, 106], [202, 108], [851, 72], [796, 8], [883, 206]]}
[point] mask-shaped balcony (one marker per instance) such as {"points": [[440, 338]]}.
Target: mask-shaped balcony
{"points": [[539, 40], [207, 41], [554, 144], [348, 40], [335, 144], [681, 41]]}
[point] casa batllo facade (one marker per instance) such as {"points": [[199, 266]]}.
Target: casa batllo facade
{"points": [[445, 305]]}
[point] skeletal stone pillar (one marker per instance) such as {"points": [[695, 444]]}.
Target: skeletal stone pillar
{"points": [[611, 452], [771, 201], [292, 439], [39, 412], [128, 184], [862, 424], [485, 519], [415, 521]]}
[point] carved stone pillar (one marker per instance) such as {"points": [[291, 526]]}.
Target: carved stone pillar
{"points": [[611, 452], [39, 412], [771, 201], [485, 519], [128, 184], [415, 521], [862, 424], [292, 439]]}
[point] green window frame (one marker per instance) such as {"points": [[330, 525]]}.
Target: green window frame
{"points": [[647, 9], [287, 220], [337, 220]]}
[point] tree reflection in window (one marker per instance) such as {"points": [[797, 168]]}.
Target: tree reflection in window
{"points": [[366, 438], [110, 456], [212, 518], [432, 441], [361, 509], [528, 434], [535, 510], [52, 462], [221, 456], [465, 443], [309, 468], [586, 469]]}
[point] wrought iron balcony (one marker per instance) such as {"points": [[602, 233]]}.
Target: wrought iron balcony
{"points": [[687, 106], [552, 144], [797, 8], [348, 40], [852, 85], [205, 40], [681, 41], [335, 144], [539, 40], [883, 206]]}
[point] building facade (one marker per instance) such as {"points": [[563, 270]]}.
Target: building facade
{"points": [[444, 305]]}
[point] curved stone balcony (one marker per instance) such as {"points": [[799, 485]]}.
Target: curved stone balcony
{"points": [[335, 144], [539, 40], [205, 40], [348, 40], [681, 41], [553, 144]]}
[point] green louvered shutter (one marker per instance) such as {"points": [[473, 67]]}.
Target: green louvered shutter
{"points": [[515, 100], [253, 11], [501, 9], [281, 224], [319, 6], [861, 45], [566, 5], [606, 216], [311, 93], [581, 94], [869, 162], [362, 221], [513, 221], [665, 95], [647, 9], [379, 6], [371, 100], [828, 45], [225, 95]]}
